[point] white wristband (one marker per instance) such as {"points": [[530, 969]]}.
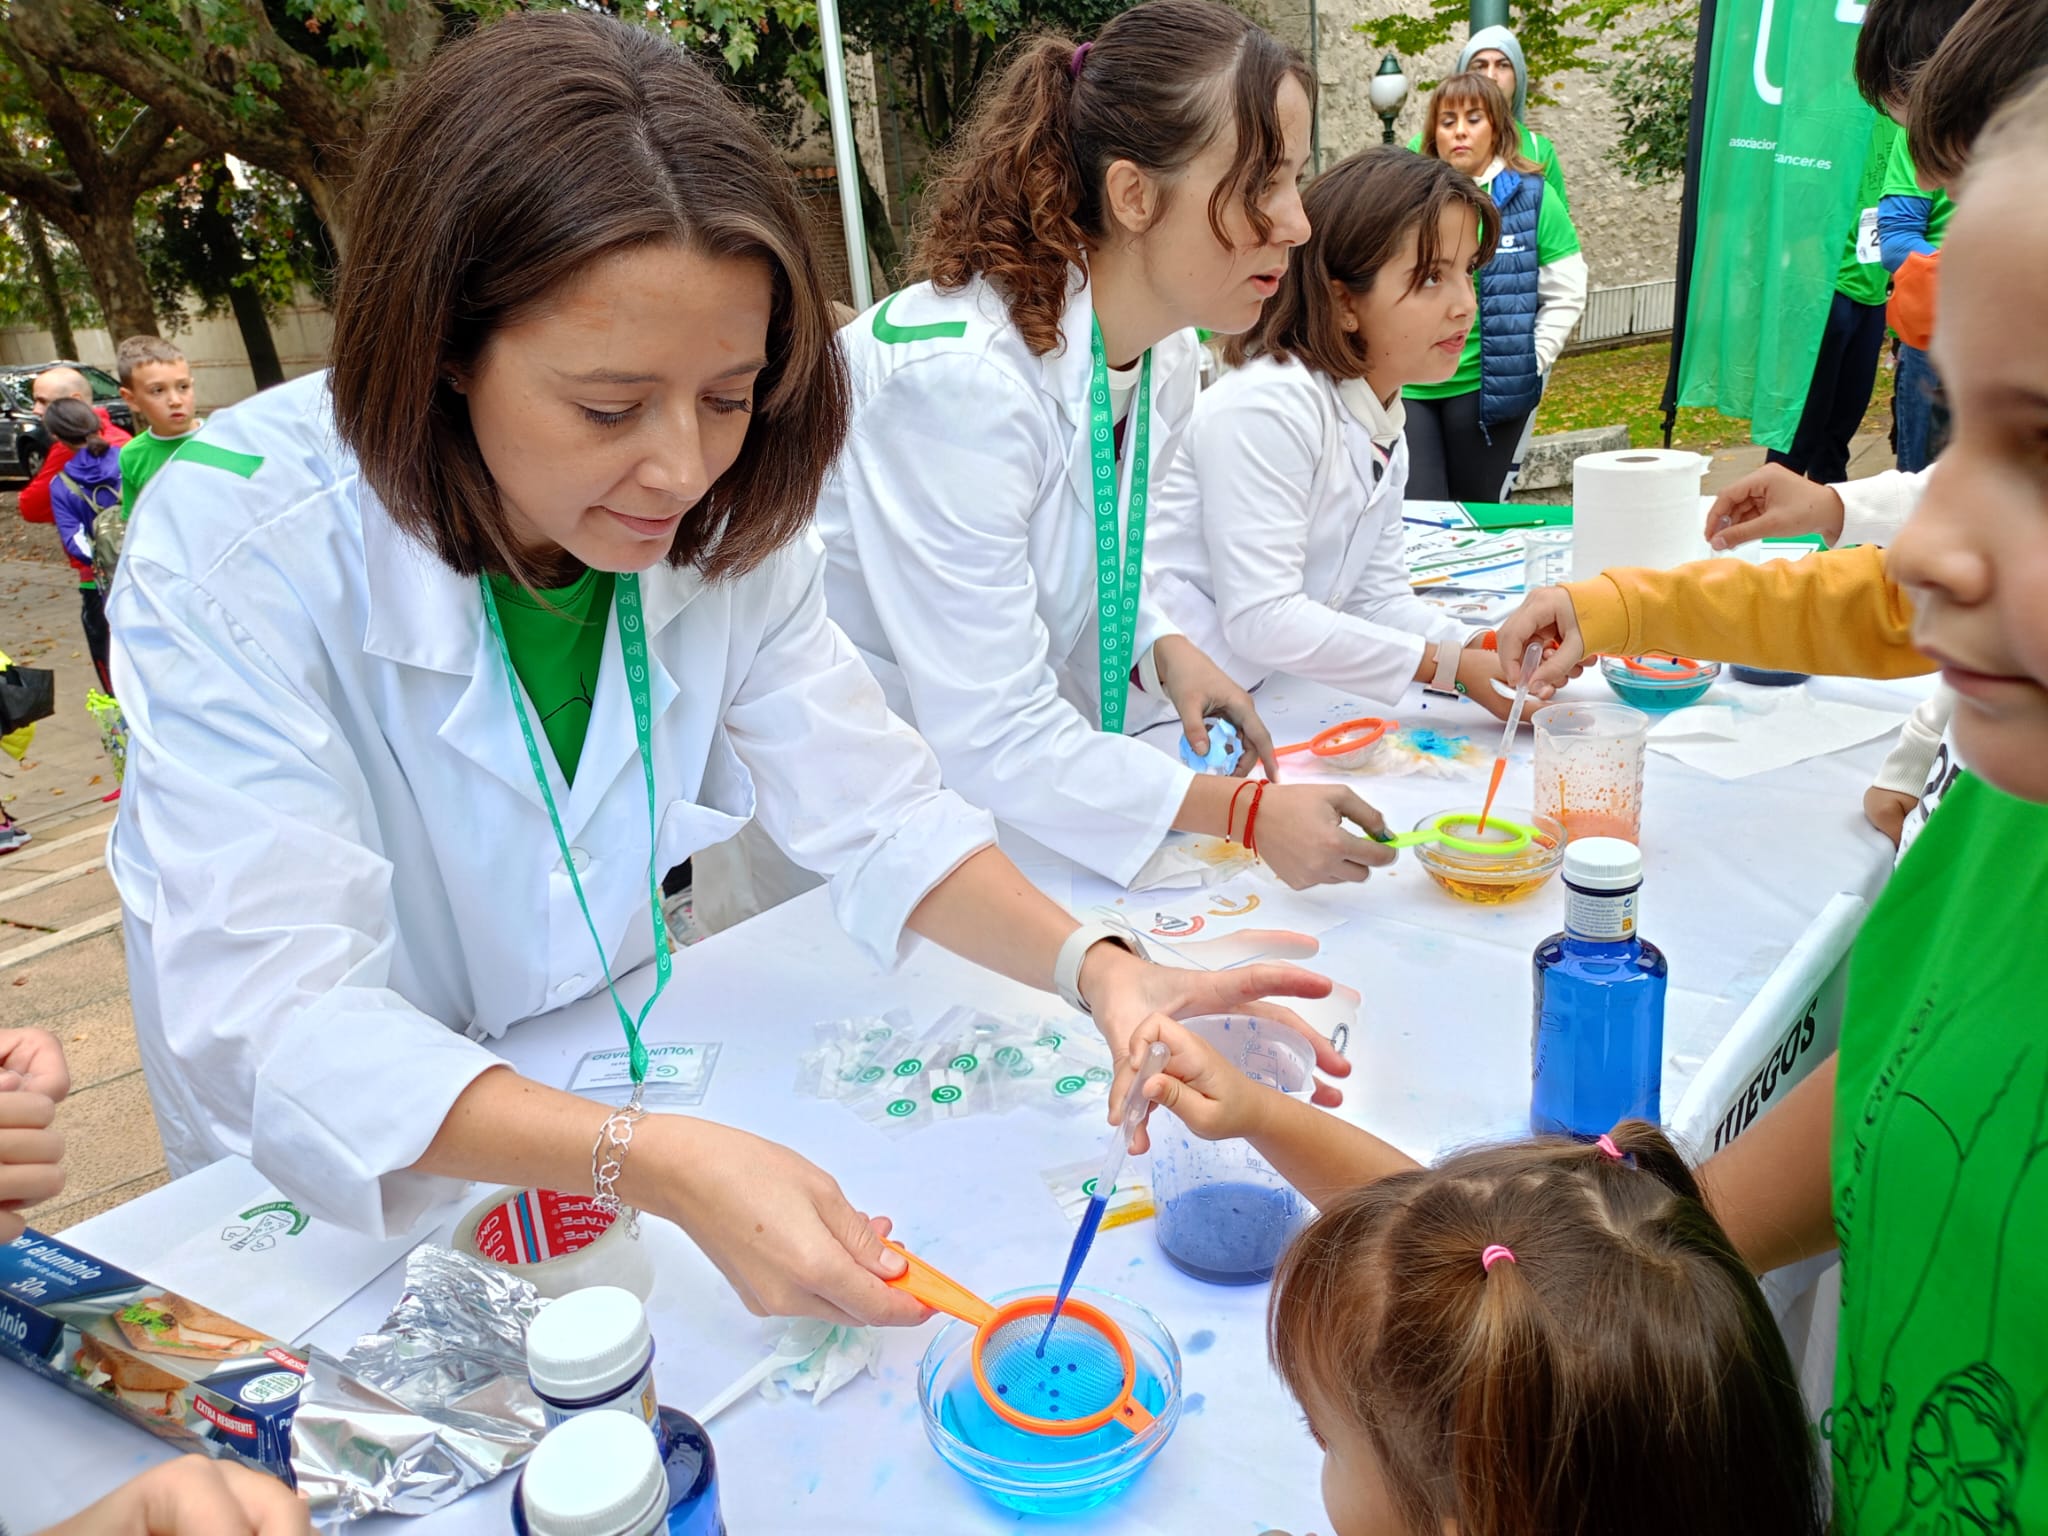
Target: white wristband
{"points": [[1066, 970], [1447, 658]]}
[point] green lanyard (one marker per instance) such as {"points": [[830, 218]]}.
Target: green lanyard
{"points": [[1116, 590], [633, 646]]}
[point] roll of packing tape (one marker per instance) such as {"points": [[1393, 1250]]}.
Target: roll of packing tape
{"points": [[558, 1243]]}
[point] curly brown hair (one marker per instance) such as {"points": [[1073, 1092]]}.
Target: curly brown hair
{"points": [[467, 217], [1019, 200], [1620, 1361], [1359, 211]]}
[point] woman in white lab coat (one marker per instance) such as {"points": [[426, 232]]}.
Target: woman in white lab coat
{"points": [[1279, 545], [984, 526], [353, 850]]}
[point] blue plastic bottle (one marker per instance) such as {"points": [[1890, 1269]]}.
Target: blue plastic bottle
{"points": [[599, 1474], [1599, 1029]]}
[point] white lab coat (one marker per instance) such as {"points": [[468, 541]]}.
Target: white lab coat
{"points": [[336, 867], [959, 529], [1278, 543]]}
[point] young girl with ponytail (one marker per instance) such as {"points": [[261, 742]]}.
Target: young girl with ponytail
{"points": [[1543, 1338], [985, 524]]}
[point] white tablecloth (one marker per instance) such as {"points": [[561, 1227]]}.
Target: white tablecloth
{"points": [[1735, 871]]}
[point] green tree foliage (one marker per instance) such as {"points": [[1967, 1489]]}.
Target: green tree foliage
{"points": [[1555, 38], [1650, 80]]}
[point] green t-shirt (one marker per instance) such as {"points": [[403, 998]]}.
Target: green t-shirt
{"points": [[1555, 240], [1900, 180], [1940, 1168], [141, 457], [556, 639], [1537, 148], [1866, 281]]}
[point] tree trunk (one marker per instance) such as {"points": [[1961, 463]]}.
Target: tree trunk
{"points": [[881, 233], [230, 258], [55, 306], [106, 244]]}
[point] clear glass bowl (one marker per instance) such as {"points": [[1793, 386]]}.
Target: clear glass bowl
{"points": [[1048, 1474], [1491, 879], [1659, 682]]}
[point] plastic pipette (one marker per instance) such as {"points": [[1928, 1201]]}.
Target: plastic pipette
{"points": [[1105, 1181], [1532, 658]]}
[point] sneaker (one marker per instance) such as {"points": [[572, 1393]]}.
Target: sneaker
{"points": [[13, 837]]}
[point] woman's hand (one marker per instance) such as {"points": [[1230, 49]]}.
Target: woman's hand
{"points": [[1301, 834], [33, 1078], [775, 1224], [1198, 688], [1774, 503], [194, 1496], [1211, 1097], [1547, 615]]}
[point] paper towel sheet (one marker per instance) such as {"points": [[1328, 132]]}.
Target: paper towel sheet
{"points": [[1759, 730]]}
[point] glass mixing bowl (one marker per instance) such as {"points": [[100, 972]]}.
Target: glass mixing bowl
{"points": [[1659, 682], [1047, 1474], [1490, 879]]}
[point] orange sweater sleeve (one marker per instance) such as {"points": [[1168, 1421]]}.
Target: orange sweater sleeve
{"points": [[1834, 613]]}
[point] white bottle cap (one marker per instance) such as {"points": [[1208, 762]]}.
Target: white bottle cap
{"points": [[598, 1474], [588, 1343], [1600, 864]]}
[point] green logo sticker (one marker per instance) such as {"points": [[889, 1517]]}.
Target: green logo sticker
{"points": [[879, 1032], [1088, 1189], [1097, 1074], [1067, 1085], [946, 1095], [1008, 1056], [902, 1107], [909, 1067], [965, 1063], [1052, 1042], [869, 1074]]}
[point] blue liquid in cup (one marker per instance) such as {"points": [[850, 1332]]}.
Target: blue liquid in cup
{"points": [[1048, 1461], [1229, 1234]]}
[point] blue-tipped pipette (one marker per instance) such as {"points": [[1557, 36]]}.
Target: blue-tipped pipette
{"points": [[1105, 1181]]}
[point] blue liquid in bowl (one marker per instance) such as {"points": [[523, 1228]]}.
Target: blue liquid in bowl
{"points": [[1048, 1474], [1659, 685], [1229, 1234]]}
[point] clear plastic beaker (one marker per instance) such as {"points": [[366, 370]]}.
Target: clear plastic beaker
{"points": [[1589, 769], [1224, 1212], [1546, 557]]}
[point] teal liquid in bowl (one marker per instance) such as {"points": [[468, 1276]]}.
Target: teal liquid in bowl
{"points": [[1037, 1474]]}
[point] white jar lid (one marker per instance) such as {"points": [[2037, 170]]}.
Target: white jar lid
{"points": [[587, 1343], [598, 1474], [1601, 864]]}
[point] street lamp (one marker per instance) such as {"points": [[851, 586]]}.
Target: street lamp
{"points": [[1389, 89]]}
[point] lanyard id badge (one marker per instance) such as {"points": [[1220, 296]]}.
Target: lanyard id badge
{"points": [[633, 648], [1116, 583]]}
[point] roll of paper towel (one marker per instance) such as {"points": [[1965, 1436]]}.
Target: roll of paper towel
{"points": [[1637, 507]]}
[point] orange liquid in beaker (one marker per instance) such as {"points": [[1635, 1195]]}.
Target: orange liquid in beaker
{"points": [[1592, 823]]}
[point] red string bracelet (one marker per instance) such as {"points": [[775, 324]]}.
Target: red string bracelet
{"points": [[1251, 819], [1230, 817]]}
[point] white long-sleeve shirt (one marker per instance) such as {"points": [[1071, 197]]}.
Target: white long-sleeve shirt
{"points": [[959, 525], [1277, 542]]}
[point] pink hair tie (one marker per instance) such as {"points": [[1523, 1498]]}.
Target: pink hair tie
{"points": [[1493, 1255], [1074, 64], [1606, 1144]]}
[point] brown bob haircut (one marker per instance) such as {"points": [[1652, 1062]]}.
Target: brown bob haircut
{"points": [[521, 155], [1019, 201], [1359, 212], [1622, 1373], [1995, 52], [1474, 89]]}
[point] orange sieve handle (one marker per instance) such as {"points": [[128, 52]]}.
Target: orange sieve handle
{"points": [[939, 1292]]}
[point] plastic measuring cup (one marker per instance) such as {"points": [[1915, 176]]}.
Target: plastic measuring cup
{"points": [[1589, 769], [1546, 557], [1224, 1212]]}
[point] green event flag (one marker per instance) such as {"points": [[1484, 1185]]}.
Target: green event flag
{"points": [[1787, 137]]}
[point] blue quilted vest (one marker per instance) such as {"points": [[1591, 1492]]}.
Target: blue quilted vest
{"points": [[1509, 382]]}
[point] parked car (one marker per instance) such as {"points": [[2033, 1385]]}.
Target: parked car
{"points": [[23, 442]]}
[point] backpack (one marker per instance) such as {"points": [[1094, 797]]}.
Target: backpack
{"points": [[107, 530]]}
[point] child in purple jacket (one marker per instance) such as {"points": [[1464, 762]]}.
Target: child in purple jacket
{"points": [[88, 484]]}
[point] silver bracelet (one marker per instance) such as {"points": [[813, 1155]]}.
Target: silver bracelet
{"points": [[1066, 970], [608, 1161]]}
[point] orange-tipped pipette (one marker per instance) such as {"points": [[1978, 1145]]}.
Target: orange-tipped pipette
{"points": [[1531, 660]]}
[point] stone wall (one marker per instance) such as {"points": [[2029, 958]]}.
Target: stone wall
{"points": [[1629, 232]]}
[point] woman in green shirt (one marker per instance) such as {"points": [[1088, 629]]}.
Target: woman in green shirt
{"points": [[1496, 53]]}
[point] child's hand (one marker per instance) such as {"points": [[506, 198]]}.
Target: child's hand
{"points": [[1211, 1098], [1546, 614], [1773, 503], [1887, 810], [32, 1059]]}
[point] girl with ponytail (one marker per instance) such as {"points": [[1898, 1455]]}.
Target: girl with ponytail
{"points": [[1542, 1338], [1013, 410]]}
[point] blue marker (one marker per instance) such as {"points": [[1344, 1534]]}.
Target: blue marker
{"points": [[1105, 1181]]}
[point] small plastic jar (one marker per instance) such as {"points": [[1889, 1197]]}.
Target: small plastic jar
{"points": [[591, 1350], [599, 1474]]}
